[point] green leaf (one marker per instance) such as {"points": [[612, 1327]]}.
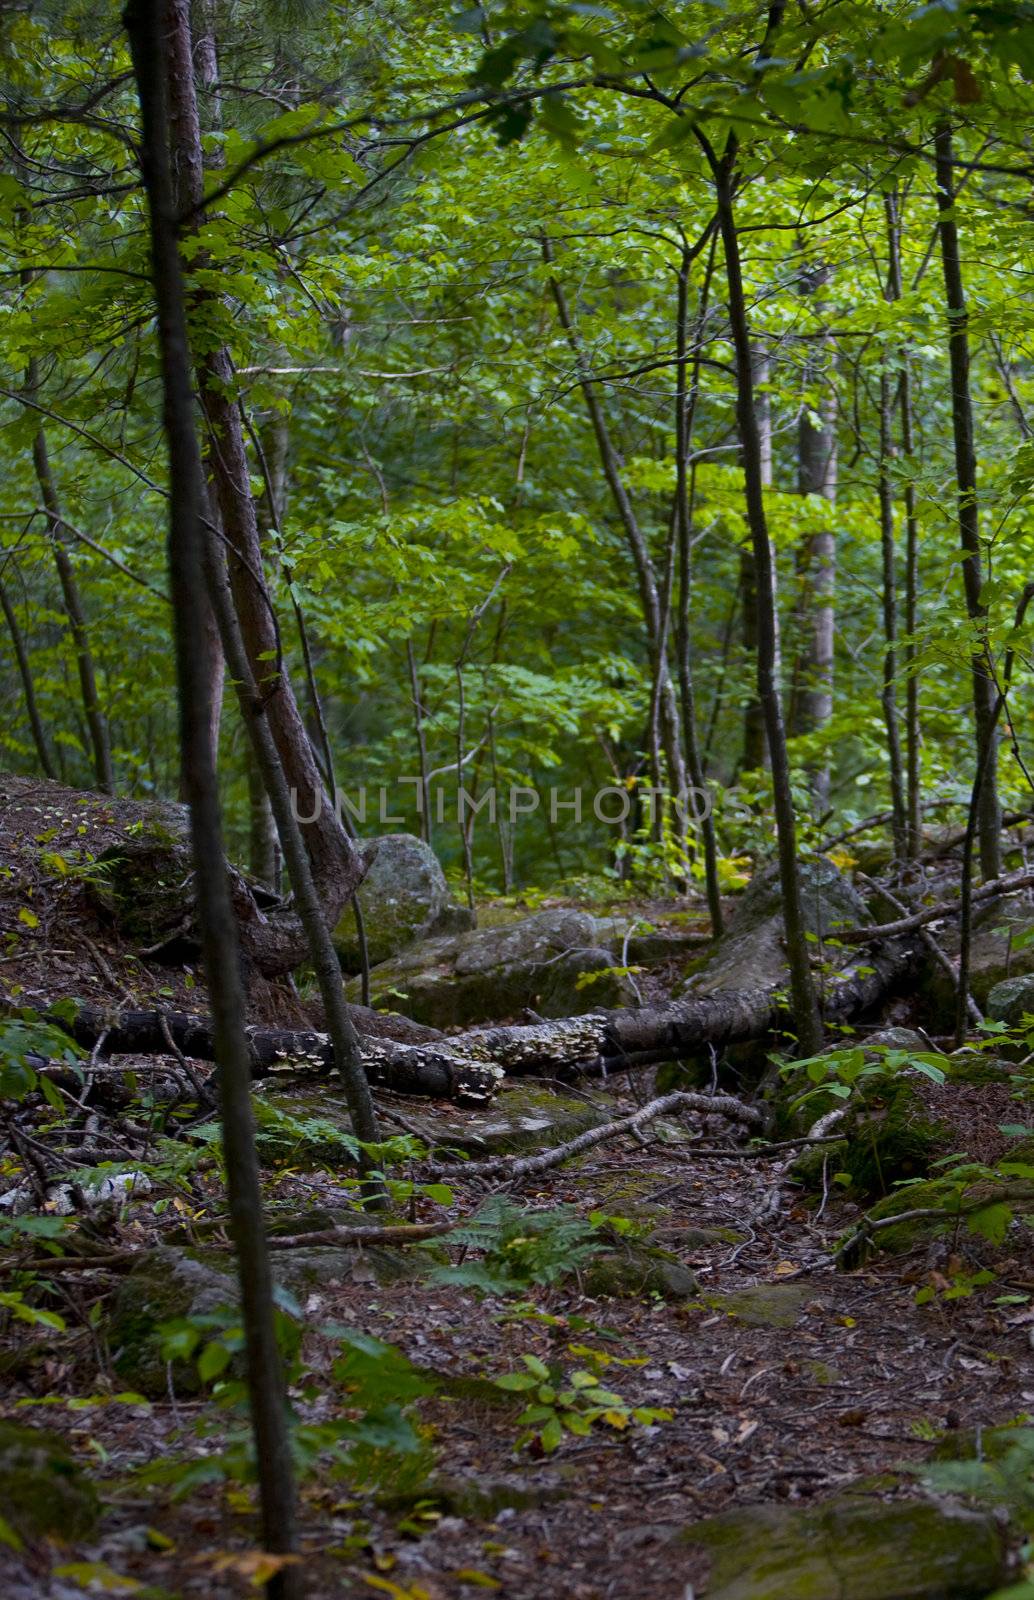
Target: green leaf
{"points": [[551, 1435]]}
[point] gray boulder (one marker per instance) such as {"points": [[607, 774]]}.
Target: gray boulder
{"points": [[170, 1284], [752, 954], [554, 963], [525, 1115], [404, 897], [1011, 1000]]}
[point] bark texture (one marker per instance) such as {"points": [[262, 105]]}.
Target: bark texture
{"points": [[989, 817], [472, 1065]]}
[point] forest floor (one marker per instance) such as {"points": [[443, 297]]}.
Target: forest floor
{"points": [[786, 1379], [853, 1383]]}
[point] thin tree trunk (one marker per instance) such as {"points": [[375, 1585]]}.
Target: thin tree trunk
{"points": [[650, 600], [816, 475], [913, 726], [888, 552], [263, 845], [96, 721], [336, 864], [989, 818], [754, 749], [311, 910], [802, 987], [39, 737], [685, 483], [912, 796], [419, 719], [890, 624], [322, 879], [719, 688], [208, 75], [149, 28]]}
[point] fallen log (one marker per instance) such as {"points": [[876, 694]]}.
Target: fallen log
{"points": [[433, 1069], [472, 1065]]}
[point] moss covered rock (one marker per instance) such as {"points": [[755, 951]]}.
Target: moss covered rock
{"points": [[634, 1268], [815, 1164], [43, 1493], [172, 1284], [950, 1212], [994, 958], [1011, 1000], [851, 1549], [752, 954], [766, 1305], [556, 963], [404, 897], [525, 1115]]}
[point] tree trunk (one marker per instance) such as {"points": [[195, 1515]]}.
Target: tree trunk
{"points": [[685, 406], [816, 562], [263, 845], [473, 1065], [805, 1009], [96, 721], [649, 598], [336, 865], [419, 723], [150, 28], [21, 656], [912, 797], [264, 702], [754, 749], [989, 818], [890, 624]]}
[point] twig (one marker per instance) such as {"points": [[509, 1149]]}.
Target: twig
{"points": [[1011, 883], [725, 1104], [201, 1090], [399, 1233], [928, 940]]}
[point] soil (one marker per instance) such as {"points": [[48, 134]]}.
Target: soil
{"points": [[856, 1388], [854, 1385]]}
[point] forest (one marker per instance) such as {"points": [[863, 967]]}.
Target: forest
{"points": [[516, 799]]}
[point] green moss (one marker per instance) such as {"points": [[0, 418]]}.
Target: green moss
{"points": [[891, 1139], [973, 1066], [766, 1305], [851, 1549], [633, 1269], [817, 1161], [42, 1490], [708, 1238], [938, 1196]]}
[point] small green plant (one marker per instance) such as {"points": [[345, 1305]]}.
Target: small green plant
{"points": [[960, 1286], [26, 1041], [521, 1249], [999, 1476], [285, 1138], [571, 1402], [372, 1437], [838, 1073]]}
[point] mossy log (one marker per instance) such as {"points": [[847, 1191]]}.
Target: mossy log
{"points": [[472, 1065]]}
